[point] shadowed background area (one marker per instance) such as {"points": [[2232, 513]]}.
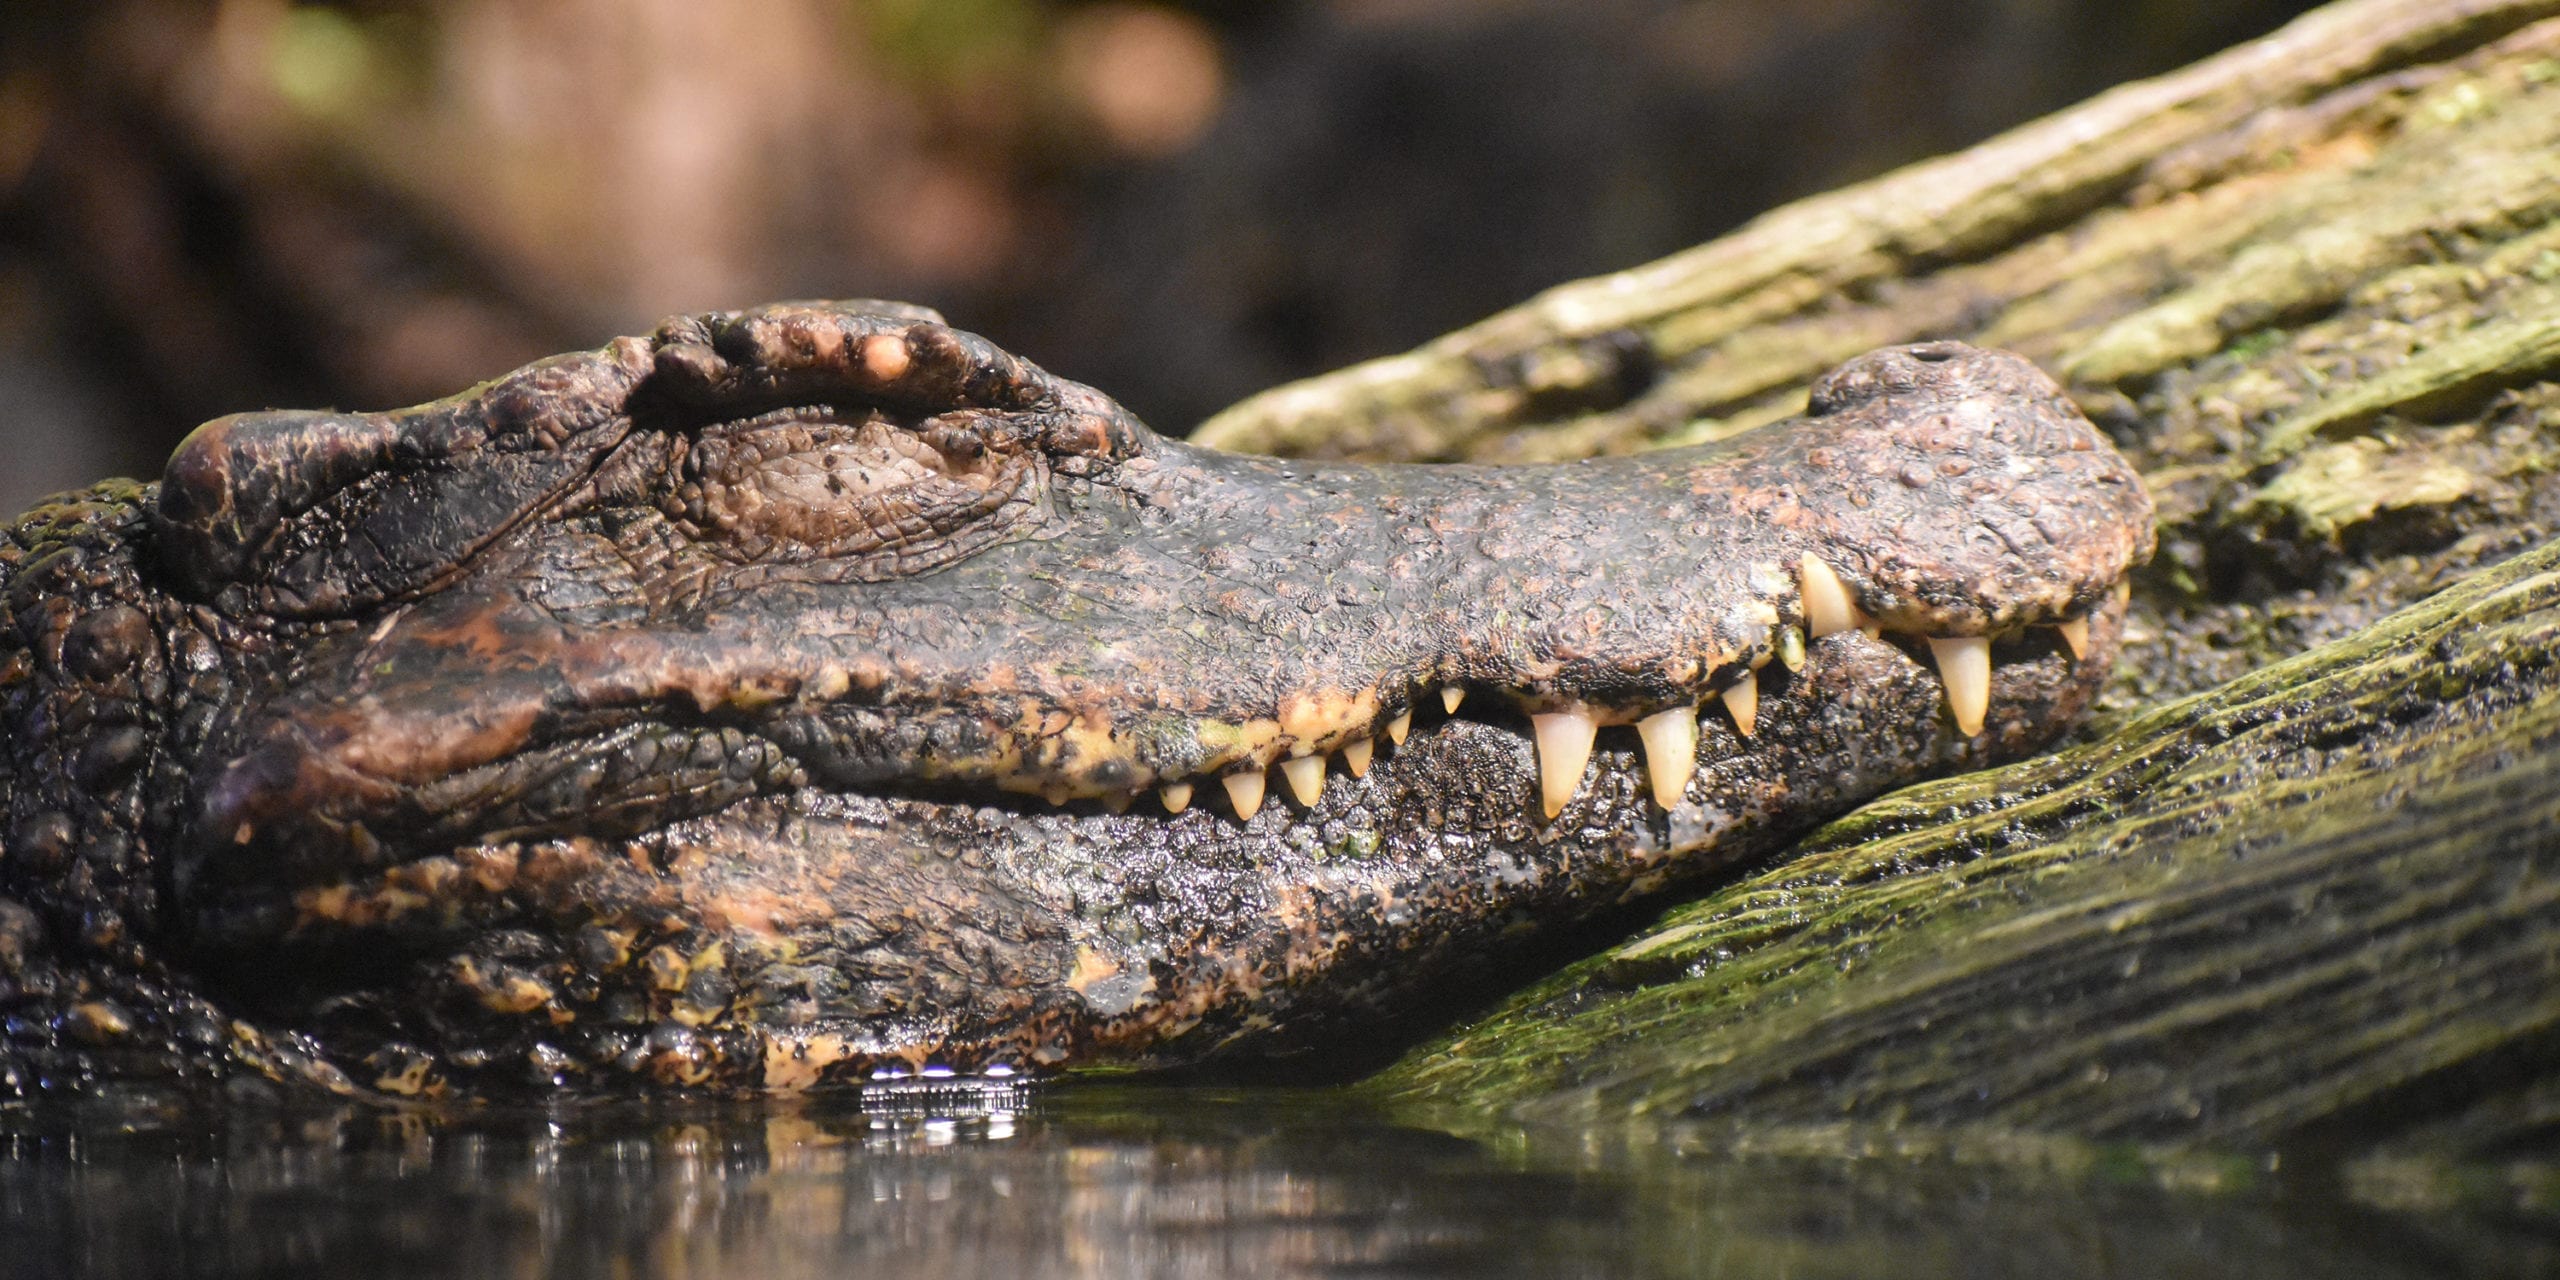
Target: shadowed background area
{"points": [[215, 205]]}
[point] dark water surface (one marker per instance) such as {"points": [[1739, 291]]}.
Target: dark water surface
{"points": [[1116, 1180]]}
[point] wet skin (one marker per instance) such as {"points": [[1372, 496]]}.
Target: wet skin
{"points": [[806, 693]]}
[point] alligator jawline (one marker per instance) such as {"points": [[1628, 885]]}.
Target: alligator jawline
{"points": [[1626, 750]]}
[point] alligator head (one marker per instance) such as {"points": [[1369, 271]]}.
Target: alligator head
{"points": [[817, 691]]}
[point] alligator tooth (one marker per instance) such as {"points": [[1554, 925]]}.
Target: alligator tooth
{"points": [[1450, 696], [1964, 663], [1056, 795], [1791, 648], [1244, 791], [1742, 698], [1306, 778], [1828, 610], [1176, 796], [1399, 727], [1119, 801], [1355, 757], [2076, 634], [1564, 747], [1670, 751]]}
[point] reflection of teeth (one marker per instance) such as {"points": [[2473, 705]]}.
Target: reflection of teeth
{"points": [[1564, 747], [1742, 698], [2076, 634], [1355, 757], [1964, 663], [1306, 778], [1670, 752], [1244, 792], [1791, 648], [1176, 796], [1450, 696], [1399, 727], [1828, 610]]}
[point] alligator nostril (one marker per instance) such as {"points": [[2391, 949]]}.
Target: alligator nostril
{"points": [[1936, 352]]}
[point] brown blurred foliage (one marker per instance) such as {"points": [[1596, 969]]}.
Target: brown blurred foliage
{"points": [[215, 205]]}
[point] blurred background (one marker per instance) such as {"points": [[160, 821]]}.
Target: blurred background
{"points": [[216, 205]]}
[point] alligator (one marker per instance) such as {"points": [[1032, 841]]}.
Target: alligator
{"points": [[817, 694]]}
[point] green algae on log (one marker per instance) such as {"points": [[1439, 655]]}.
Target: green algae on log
{"points": [[2322, 897]]}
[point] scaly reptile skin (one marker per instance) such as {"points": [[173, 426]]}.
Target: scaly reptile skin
{"points": [[816, 691]]}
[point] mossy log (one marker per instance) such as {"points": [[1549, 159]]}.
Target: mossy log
{"points": [[2313, 287]]}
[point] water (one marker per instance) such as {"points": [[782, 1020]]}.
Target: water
{"points": [[1125, 1180]]}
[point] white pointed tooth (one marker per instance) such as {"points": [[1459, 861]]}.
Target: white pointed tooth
{"points": [[1399, 727], [1244, 792], [1670, 752], [1828, 610], [1355, 757], [1450, 696], [1742, 698], [1790, 647], [2123, 591], [2076, 634], [1564, 747], [1119, 801], [1176, 796], [1306, 778], [1964, 663], [1056, 795]]}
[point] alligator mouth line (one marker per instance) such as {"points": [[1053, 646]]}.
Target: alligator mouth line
{"points": [[1563, 734], [748, 760]]}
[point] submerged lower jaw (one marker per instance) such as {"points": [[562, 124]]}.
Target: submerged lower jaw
{"points": [[1563, 732]]}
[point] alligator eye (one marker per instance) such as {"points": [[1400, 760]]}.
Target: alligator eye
{"points": [[855, 486]]}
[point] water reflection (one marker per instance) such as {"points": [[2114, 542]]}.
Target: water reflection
{"points": [[1097, 1181], [928, 1182]]}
